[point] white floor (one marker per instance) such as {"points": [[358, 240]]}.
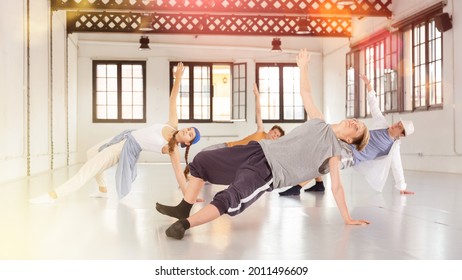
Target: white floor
{"points": [[424, 226]]}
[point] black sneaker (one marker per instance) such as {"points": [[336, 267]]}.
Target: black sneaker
{"points": [[293, 191], [316, 188]]}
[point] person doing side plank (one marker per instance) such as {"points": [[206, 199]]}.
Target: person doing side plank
{"points": [[125, 149], [381, 154], [308, 151]]}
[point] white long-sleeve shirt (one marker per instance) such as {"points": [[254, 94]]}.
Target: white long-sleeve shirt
{"points": [[376, 171]]}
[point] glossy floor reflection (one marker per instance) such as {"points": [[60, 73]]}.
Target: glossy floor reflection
{"points": [[425, 226]]}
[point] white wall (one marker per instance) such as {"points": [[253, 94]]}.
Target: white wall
{"points": [[72, 56], [12, 113], [436, 144], [334, 80], [34, 127]]}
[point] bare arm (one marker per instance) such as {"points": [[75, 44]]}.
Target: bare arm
{"points": [[303, 59], [339, 193], [260, 127], [176, 164], [173, 115]]}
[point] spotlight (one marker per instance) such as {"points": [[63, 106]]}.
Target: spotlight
{"points": [[146, 23], [276, 45], [303, 27], [144, 41]]}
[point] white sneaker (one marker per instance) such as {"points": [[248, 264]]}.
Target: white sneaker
{"points": [[43, 199], [99, 194]]}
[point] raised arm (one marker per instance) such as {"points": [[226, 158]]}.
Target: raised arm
{"points": [[377, 116], [303, 59], [173, 115], [339, 193], [260, 127]]}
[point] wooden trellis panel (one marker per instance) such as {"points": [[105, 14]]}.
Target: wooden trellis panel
{"points": [[287, 7], [275, 25], [224, 17]]}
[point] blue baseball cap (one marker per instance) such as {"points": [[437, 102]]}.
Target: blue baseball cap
{"points": [[195, 140]]}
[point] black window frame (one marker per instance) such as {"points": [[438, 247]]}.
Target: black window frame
{"points": [[241, 91], [281, 91], [427, 21], [401, 105], [119, 64]]}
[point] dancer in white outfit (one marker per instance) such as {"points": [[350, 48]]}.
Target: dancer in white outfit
{"points": [[125, 148]]}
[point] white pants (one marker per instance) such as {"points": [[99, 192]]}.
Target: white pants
{"points": [[97, 163]]}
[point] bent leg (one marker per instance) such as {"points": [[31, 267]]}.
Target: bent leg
{"points": [[95, 165], [100, 177], [205, 215], [252, 180], [217, 167], [220, 166], [183, 209]]}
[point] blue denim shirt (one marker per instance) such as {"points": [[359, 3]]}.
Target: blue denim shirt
{"points": [[126, 168]]}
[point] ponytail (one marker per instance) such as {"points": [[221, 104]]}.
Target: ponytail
{"points": [[172, 142], [171, 147], [186, 169]]}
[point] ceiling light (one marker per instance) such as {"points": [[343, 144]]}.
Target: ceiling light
{"points": [[303, 27], [146, 23], [276, 45], [144, 41]]}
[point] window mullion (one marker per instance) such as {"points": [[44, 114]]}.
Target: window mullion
{"points": [[119, 91], [356, 85], [211, 93], [191, 92], [427, 64], [281, 93]]}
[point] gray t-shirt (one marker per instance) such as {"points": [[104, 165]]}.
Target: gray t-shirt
{"points": [[302, 154]]}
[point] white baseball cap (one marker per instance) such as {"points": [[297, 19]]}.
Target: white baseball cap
{"points": [[408, 127]]}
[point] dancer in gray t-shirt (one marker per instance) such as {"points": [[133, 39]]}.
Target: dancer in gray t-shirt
{"points": [[310, 150], [383, 148]]}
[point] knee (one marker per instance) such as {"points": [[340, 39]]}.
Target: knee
{"points": [[226, 201], [221, 204]]}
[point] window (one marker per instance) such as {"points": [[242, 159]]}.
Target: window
{"points": [[426, 65], [210, 92], [381, 64], [119, 93], [404, 67], [377, 58], [239, 108], [352, 82], [279, 86]]}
